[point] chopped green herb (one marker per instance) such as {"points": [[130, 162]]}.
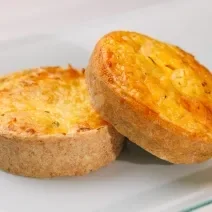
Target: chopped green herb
{"points": [[152, 60], [56, 124]]}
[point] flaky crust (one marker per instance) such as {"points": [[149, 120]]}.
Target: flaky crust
{"points": [[59, 155], [140, 124]]}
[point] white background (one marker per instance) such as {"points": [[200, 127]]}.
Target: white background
{"points": [[21, 17]]}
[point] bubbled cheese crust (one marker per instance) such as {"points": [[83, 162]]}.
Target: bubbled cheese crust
{"points": [[163, 85], [48, 127], [49, 100]]}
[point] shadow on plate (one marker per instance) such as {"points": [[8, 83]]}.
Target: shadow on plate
{"points": [[135, 154]]}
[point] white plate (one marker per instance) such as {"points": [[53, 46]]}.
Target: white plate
{"points": [[137, 181]]}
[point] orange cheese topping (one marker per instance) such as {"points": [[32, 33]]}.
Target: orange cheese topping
{"points": [[47, 100], [162, 77]]}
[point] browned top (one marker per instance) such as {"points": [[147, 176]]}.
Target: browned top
{"points": [[161, 77], [48, 100]]}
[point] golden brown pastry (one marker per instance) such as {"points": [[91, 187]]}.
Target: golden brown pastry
{"points": [[48, 127], [154, 93]]}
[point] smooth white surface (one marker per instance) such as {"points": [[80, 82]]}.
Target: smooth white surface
{"points": [[137, 181], [22, 17], [206, 209]]}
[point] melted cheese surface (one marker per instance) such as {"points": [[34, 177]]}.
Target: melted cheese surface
{"points": [[47, 100], [161, 76]]}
